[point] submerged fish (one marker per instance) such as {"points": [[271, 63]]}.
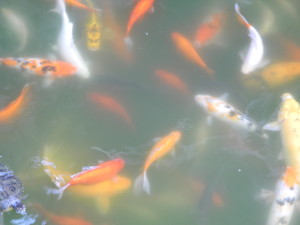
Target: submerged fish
{"points": [[254, 56], [41, 67], [288, 123], [280, 73], [209, 29], [18, 25], [160, 149], [223, 111], [65, 42], [139, 10], [285, 198], [81, 6], [96, 174], [186, 48], [12, 110], [58, 219]]}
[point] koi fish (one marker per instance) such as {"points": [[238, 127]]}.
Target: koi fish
{"points": [[208, 30], [160, 149], [99, 173], [186, 48], [137, 13], [280, 73], [103, 191], [291, 48], [288, 123], [60, 220], [81, 5], [18, 26], [41, 67], [255, 52], [172, 80], [223, 111], [15, 107], [65, 42], [286, 194], [110, 104]]}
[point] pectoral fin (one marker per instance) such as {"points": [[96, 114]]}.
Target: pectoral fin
{"points": [[273, 126]]}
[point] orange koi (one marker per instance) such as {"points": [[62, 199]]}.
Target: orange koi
{"points": [[41, 67], [208, 30], [137, 13], [14, 108], [99, 173], [186, 48], [160, 149], [110, 104], [60, 220], [78, 4], [172, 80], [103, 191]]}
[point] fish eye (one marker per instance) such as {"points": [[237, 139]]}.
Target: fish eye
{"points": [[12, 188]]}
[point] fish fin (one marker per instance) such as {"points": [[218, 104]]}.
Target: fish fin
{"points": [[60, 7], [128, 41], [146, 184], [138, 184], [209, 120], [103, 204], [273, 126], [265, 195]]}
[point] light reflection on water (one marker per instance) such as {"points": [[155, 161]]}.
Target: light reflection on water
{"points": [[221, 158]]}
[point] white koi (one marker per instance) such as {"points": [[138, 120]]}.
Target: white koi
{"points": [[285, 197], [18, 26], [65, 42], [225, 112], [254, 56]]}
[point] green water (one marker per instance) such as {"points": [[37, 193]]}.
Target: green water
{"points": [[235, 164]]}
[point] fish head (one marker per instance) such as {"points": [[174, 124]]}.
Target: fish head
{"points": [[286, 96], [176, 135]]}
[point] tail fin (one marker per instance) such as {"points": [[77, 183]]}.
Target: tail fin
{"points": [[60, 7], [141, 183], [128, 41]]}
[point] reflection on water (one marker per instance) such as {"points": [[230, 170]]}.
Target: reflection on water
{"points": [[136, 95]]}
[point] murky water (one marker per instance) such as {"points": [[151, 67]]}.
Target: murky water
{"points": [[209, 160]]}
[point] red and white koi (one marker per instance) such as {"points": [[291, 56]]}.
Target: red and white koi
{"points": [[285, 198], [65, 43], [255, 53], [223, 111], [41, 67]]}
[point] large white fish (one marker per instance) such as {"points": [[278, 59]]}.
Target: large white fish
{"points": [[253, 58], [65, 42], [221, 110], [18, 26], [285, 198]]}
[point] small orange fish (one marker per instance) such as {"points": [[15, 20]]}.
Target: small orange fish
{"points": [[111, 104], [81, 5], [14, 108], [208, 30], [99, 173], [187, 49], [172, 80], [137, 13], [161, 148], [60, 220], [41, 67]]}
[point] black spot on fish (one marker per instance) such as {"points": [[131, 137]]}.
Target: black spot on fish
{"points": [[46, 69], [232, 113]]}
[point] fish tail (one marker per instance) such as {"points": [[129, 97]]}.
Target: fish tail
{"points": [[141, 184], [128, 41], [146, 184], [241, 18], [60, 7], [210, 71]]}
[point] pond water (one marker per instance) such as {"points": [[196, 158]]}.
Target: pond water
{"points": [[217, 170]]}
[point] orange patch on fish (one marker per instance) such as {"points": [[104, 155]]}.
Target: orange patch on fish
{"points": [[186, 48], [15, 107], [290, 176], [78, 4]]}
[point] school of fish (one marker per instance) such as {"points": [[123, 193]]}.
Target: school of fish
{"points": [[105, 178]]}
